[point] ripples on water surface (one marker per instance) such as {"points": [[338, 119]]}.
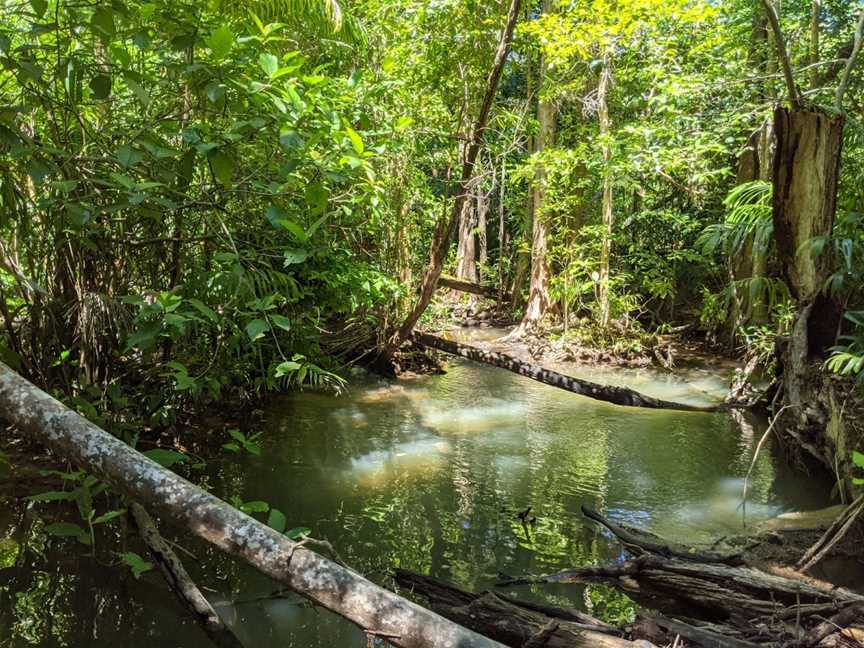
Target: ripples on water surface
{"points": [[429, 475]]}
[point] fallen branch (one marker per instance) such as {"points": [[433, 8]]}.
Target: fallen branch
{"points": [[632, 541], [510, 621], [473, 288], [835, 533], [606, 393], [180, 582], [341, 590]]}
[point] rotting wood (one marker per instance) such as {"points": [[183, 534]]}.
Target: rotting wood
{"points": [[180, 582], [835, 533], [341, 590], [508, 620], [469, 287], [607, 393]]}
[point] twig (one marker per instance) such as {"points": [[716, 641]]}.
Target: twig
{"points": [[753, 463], [782, 54]]}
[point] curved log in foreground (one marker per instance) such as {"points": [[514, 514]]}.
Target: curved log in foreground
{"points": [[608, 393], [374, 609]]}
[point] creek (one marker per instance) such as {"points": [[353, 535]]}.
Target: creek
{"points": [[428, 474]]}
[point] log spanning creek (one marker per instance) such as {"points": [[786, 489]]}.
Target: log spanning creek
{"points": [[435, 475]]}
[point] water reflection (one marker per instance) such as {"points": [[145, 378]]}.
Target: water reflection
{"points": [[432, 475]]}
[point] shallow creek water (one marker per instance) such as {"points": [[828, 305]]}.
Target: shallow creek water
{"points": [[428, 475]]}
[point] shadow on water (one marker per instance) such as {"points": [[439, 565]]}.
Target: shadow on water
{"points": [[430, 476]]}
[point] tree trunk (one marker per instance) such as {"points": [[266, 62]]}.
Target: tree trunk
{"points": [[607, 393], [466, 252], [446, 228], [806, 170], [468, 287], [538, 295], [606, 245], [337, 588]]}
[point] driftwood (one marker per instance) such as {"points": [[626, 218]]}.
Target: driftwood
{"points": [[734, 606], [373, 608], [642, 542], [606, 393], [180, 582], [513, 622], [468, 287]]}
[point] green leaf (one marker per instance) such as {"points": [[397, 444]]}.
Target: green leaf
{"points": [[68, 530], [858, 458], [277, 520], [107, 517], [221, 41], [205, 310], [233, 447], [281, 321], [100, 85], [294, 256], [103, 22], [403, 122], [223, 167], [268, 63], [255, 507], [128, 156], [139, 91], [136, 563], [165, 457], [296, 532], [279, 218], [356, 140], [256, 329], [39, 7], [287, 368]]}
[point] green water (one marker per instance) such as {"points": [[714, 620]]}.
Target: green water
{"points": [[428, 475]]}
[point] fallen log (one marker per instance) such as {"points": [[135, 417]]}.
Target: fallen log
{"points": [[510, 621], [180, 582], [374, 609], [633, 541], [468, 287], [607, 393]]}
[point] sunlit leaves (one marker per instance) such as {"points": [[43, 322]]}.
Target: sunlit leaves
{"points": [[220, 42]]}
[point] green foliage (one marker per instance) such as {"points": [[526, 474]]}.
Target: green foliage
{"points": [[242, 442], [136, 563]]}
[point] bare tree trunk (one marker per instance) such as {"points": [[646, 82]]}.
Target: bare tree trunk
{"points": [[502, 231], [816, 9], [445, 229], [605, 127], [337, 588], [482, 248], [538, 295], [466, 252]]}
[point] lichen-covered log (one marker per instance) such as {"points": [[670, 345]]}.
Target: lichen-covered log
{"points": [[180, 502], [607, 393]]}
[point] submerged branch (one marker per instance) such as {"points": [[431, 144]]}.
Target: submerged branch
{"points": [[606, 393]]}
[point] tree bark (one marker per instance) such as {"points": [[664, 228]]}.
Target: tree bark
{"points": [[466, 252], [176, 500], [445, 229], [606, 244], [538, 294], [607, 393], [510, 621]]}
